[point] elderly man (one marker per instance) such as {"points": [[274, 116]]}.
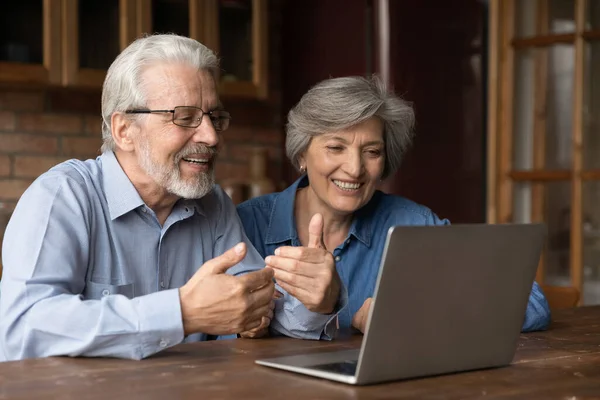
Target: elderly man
{"points": [[137, 251]]}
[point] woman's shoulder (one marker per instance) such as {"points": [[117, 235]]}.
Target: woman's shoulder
{"points": [[264, 202], [400, 210]]}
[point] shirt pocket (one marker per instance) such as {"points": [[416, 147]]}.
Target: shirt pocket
{"points": [[96, 291]]}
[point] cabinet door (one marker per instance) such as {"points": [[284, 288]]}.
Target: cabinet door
{"points": [[242, 47], [237, 31], [30, 41], [94, 32]]}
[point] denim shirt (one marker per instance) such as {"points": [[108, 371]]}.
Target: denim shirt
{"points": [[269, 223]]}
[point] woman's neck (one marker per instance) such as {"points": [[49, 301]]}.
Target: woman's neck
{"points": [[335, 225]]}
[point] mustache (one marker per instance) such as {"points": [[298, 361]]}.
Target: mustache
{"points": [[197, 149]]}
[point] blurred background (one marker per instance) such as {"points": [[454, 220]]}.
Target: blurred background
{"points": [[506, 93]]}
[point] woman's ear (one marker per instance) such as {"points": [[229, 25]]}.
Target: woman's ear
{"points": [[122, 129]]}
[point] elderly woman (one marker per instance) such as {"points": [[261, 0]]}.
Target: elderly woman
{"points": [[345, 136]]}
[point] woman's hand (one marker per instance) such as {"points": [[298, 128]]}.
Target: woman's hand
{"points": [[308, 273], [359, 321]]}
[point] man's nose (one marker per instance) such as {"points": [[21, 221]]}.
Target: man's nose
{"points": [[206, 133]]}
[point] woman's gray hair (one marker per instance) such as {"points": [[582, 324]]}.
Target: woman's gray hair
{"points": [[123, 86], [340, 103]]}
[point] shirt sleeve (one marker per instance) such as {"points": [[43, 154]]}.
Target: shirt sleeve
{"points": [[537, 315], [291, 317], [46, 255]]}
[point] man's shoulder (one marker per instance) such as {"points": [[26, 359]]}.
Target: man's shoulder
{"points": [[72, 171]]}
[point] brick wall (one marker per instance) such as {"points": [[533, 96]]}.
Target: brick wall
{"points": [[40, 127]]}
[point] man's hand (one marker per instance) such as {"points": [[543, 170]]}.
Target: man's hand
{"points": [[263, 329], [308, 273], [359, 321], [215, 303]]}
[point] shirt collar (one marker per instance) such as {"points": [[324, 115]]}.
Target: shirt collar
{"points": [[121, 195], [282, 223]]}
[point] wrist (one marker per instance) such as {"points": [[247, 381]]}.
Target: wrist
{"points": [[187, 327]]}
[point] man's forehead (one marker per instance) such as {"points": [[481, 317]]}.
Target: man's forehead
{"points": [[167, 80]]}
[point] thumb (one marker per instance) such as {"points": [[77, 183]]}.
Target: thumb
{"points": [[315, 232], [220, 264]]}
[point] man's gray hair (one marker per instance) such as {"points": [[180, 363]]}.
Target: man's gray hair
{"points": [[340, 103], [123, 86]]}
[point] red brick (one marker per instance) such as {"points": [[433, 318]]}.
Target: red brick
{"points": [[22, 100], [50, 123], [34, 166], [26, 143], [84, 147], [254, 135], [60, 99], [227, 170], [242, 153], [4, 165], [7, 121], [92, 125], [12, 189]]}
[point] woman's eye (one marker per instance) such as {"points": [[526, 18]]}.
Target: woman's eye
{"points": [[334, 148], [374, 153]]}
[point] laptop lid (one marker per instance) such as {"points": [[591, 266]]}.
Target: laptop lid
{"points": [[449, 298]]}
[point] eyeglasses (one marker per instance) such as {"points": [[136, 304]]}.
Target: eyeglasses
{"points": [[191, 117]]}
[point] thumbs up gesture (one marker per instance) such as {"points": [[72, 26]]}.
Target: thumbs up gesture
{"points": [[308, 273], [219, 304]]}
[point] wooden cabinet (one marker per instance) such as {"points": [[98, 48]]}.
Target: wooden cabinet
{"points": [[30, 42], [72, 42], [90, 38], [235, 29]]}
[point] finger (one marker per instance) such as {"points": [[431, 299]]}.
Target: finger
{"points": [[220, 264], [261, 297], [315, 232], [294, 266], [307, 254], [257, 279], [252, 324], [292, 279], [299, 293], [260, 331]]}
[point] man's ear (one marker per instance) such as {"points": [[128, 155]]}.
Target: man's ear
{"points": [[123, 130]]}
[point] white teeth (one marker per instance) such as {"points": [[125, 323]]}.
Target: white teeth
{"points": [[346, 185], [196, 160]]}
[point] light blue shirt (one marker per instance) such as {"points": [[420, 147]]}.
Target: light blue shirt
{"points": [[269, 223], [89, 270]]}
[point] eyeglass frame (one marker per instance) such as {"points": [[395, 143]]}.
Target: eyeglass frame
{"points": [[199, 120]]}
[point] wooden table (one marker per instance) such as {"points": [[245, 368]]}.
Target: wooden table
{"points": [[562, 363]]}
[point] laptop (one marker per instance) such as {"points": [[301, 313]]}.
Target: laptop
{"points": [[447, 299]]}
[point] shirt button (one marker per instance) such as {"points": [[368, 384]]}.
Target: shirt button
{"points": [[105, 292], [187, 209], [163, 343], [338, 258], [348, 241], [162, 284], [143, 209]]}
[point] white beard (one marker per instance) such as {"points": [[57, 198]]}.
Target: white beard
{"points": [[169, 177]]}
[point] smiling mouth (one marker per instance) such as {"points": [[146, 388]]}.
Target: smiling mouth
{"points": [[199, 161], [347, 186]]}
